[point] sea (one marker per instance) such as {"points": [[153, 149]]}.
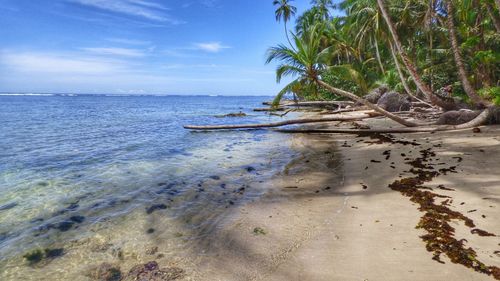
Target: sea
{"points": [[93, 179]]}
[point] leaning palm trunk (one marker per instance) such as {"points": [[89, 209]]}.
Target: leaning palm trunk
{"points": [[494, 18], [377, 53], [370, 105], [462, 73], [409, 64], [401, 76]]}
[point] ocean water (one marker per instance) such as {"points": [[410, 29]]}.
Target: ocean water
{"points": [[101, 178]]}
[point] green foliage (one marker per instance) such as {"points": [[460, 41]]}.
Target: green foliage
{"points": [[352, 52], [491, 92]]}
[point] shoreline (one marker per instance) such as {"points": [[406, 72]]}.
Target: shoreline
{"points": [[327, 214], [317, 225]]}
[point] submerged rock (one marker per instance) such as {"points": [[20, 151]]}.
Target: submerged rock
{"points": [[234, 114], [41, 258], [8, 206], [54, 253], [394, 102], [106, 272], [34, 257], [156, 207], [152, 272]]}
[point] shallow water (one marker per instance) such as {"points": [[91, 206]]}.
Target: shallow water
{"points": [[107, 179]]}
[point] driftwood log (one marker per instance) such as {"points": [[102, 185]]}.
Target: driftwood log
{"points": [[313, 103], [271, 109], [284, 123]]}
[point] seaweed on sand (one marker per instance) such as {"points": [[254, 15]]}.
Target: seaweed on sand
{"points": [[440, 235]]}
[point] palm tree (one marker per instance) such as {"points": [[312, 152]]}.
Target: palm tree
{"points": [[323, 7], [410, 65], [307, 61], [462, 73], [284, 11]]}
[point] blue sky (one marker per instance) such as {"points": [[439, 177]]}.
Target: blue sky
{"points": [[139, 46]]}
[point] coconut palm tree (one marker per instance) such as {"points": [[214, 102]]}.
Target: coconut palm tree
{"points": [[307, 61], [410, 66], [462, 73], [285, 11], [323, 7]]}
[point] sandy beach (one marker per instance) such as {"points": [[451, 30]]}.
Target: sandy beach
{"points": [[330, 214]]}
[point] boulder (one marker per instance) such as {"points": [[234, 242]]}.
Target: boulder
{"points": [[394, 102], [457, 117], [375, 94]]}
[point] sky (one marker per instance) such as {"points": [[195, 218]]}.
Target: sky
{"points": [[194, 47]]}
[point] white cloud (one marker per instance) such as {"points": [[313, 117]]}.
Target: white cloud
{"points": [[128, 41], [193, 66], [211, 47], [138, 8], [116, 52], [58, 64]]}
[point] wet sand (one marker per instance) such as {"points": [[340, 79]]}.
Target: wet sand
{"points": [[330, 215]]}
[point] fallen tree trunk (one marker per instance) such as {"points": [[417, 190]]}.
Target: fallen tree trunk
{"points": [[319, 103], [367, 104], [265, 109], [283, 123], [480, 120]]}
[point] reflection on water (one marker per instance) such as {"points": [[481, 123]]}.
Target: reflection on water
{"points": [[86, 180]]}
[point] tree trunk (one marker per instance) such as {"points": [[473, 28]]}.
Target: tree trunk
{"points": [[377, 53], [494, 18], [287, 37], [480, 120], [402, 78], [498, 4], [368, 104], [407, 62], [282, 123], [462, 73]]}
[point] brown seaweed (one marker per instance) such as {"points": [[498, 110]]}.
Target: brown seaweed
{"points": [[440, 235]]}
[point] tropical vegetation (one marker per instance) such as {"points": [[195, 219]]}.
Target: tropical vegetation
{"points": [[416, 47]]}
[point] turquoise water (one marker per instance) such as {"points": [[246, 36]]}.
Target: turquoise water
{"points": [[72, 167]]}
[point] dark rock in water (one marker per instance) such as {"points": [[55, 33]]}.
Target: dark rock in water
{"points": [[457, 117], [34, 257], [215, 178], [106, 272], [77, 219], [71, 207], [150, 231], [151, 272], [64, 226], [236, 114], [156, 207], [41, 258], [43, 183], [376, 94], [54, 253], [8, 206], [250, 169], [394, 102]]}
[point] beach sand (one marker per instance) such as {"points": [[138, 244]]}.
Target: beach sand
{"points": [[330, 214]]}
